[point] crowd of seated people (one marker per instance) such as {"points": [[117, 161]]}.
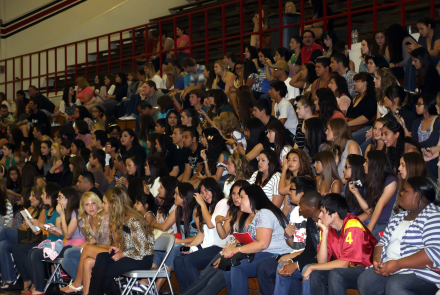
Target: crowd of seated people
{"points": [[293, 169]]}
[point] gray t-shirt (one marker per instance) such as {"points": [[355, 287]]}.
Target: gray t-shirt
{"points": [[266, 219], [153, 99]]}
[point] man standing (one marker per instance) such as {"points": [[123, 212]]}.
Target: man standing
{"points": [[339, 64], [283, 109], [45, 105], [345, 249]]}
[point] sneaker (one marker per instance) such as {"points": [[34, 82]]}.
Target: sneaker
{"points": [[122, 118], [131, 117]]}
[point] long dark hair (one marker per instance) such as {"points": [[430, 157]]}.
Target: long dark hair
{"points": [[280, 135], [274, 166], [146, 124], [246, 102], [233, 210], [73, 197], [342, 85], [311, 73], [379, 168], [84, 113], [356, 163], [315, 135], [186, 192], [426, 62], [395, 153], [137, 162], [211, 185], [169, 129], [52, 190], [258, 200], [220, 99], [166, 144], [328, 104], [374, 142], [169, 183], [395, 35], [216, 146], [158, 168], [66, 91], [256, 129]]}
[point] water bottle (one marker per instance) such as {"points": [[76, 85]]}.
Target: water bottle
{"points": [[356, 35]]}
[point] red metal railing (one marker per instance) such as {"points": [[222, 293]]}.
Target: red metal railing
{"points": [[9, 83]]}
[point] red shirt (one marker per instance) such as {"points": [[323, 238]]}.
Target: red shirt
{"points": [[355, 243]]}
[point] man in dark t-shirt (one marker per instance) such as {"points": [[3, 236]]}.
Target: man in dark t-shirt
{"points": [[46, 106], [36, 117], [192, 149]]}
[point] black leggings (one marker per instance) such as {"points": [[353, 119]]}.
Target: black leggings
{"points": [[123, 265]]}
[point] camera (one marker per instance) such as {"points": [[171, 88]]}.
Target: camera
{"points": [[357, 183], [184, 249], [397, 112]]}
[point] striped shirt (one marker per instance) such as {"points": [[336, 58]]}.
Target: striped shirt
{"points": [[271, 187], [421, 234]]}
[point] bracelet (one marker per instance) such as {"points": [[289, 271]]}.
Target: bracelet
{"points": [[286, 238], [205, 161], [239, 249]]}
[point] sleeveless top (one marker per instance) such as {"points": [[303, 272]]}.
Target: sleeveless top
{"points": [[319, 81], [220, 84], [10, 163], [343, 158], [331, 185], [52, 219]]}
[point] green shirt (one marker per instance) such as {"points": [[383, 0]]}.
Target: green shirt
{"points": [[7, 123]]}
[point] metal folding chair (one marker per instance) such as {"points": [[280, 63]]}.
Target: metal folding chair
{"points": [[164, 243], [56, 276]]}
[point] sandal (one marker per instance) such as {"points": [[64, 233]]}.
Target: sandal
{"points": [[77, 290], [27, 289]]}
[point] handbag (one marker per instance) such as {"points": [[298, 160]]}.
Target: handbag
{"points": [[29, 237], [226, 263]]}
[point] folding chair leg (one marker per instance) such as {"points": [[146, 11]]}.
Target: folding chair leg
{"points": [[169, 283], [51, 278]]}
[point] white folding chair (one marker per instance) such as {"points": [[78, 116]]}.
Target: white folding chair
{"points": [[56, 276], [164, 243]]}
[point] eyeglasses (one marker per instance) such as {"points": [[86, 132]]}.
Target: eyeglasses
{"points": [[61, 197], [347, 167], [419, 104]]}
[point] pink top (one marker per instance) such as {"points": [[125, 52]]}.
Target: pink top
{"points": [[338, 115], [184, 38], [80, 95], [87, 138]]}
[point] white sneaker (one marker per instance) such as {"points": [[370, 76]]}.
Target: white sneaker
{"points": [[123, 118], [131, 117]]}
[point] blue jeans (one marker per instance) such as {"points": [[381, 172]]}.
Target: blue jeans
{"points": [[338, 280], [237, 278], [292, 284], [365, 145], [359, 135], [370, 283], [160, 255], [71, 261], [267, 271], [187, 266], [8, 239], [22, 261], [211, 281], [130, 105], [109, 104]]}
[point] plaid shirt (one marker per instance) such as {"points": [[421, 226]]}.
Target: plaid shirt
{"points": [[348, 75]]}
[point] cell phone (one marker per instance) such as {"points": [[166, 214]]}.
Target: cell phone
{"points": [[112, 253], [184, 249], [408, 43], [47, 226], [116, 177], [396, 112]]}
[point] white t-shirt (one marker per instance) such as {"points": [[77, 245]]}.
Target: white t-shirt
{"points": [[63, 105], [393, 248], [159, 82], [227, 188], [292, 92], [284, 110], [211, 235], [107, 158], [299, 237]]}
